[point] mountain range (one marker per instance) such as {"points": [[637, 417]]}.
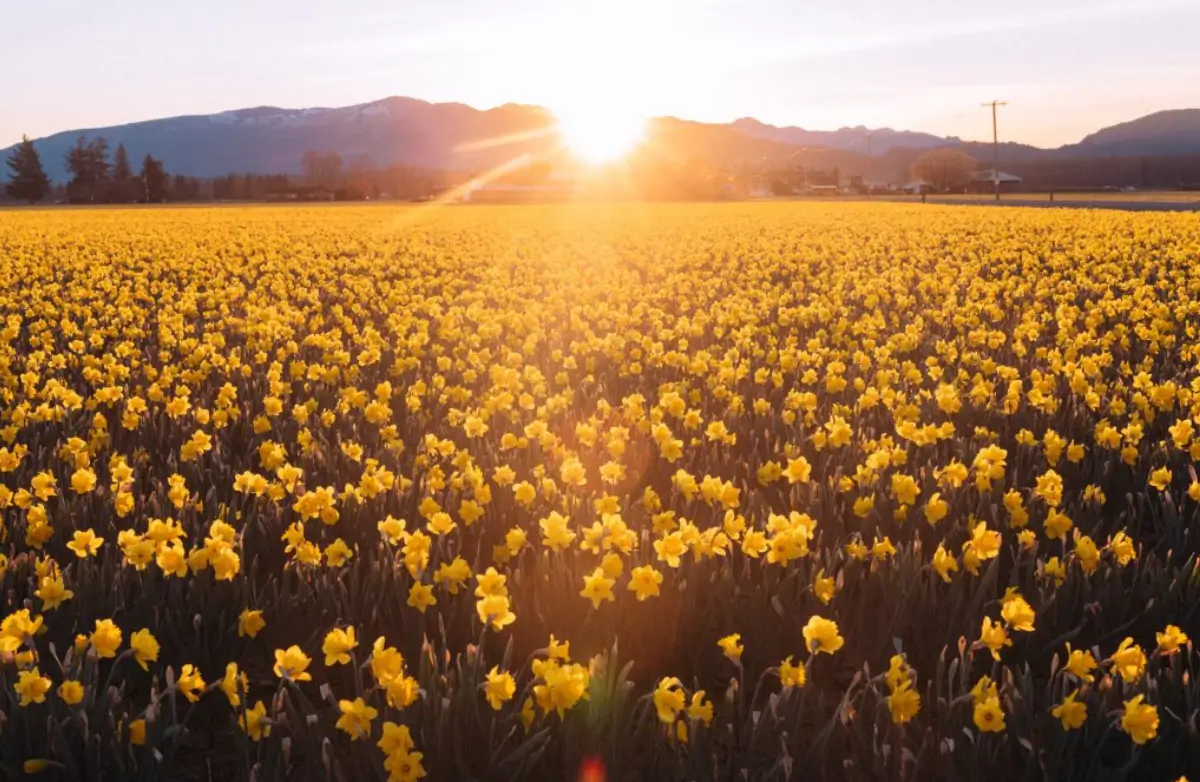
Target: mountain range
{"points": [[454, 136]]}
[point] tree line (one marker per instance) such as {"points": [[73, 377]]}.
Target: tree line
{"points": [[94, 177], [100, 177]]}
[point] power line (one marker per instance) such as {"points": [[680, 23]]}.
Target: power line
{"points": [[995, 145]]}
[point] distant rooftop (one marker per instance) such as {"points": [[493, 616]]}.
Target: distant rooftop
{"points": [[990, 175]]}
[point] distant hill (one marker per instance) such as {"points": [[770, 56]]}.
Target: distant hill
{"points": [[268, 140], [455, 137], [681, 140], [881, 139], [1175, 132], [449, 136]]}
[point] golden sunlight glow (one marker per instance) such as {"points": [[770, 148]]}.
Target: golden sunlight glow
{"points": [[599, 133]]}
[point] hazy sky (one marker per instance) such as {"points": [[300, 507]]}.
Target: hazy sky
{"points": [[1068, 67]]}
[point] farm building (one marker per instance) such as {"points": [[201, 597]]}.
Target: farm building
{"points": [[984, 181], [918, 187]]}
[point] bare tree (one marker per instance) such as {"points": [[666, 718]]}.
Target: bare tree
{"points": [[322, 169], [945, 169]]}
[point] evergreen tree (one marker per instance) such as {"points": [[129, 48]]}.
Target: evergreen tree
{"points": [[28, 181], [98, 154], [155, 180], [88, 163], [124, 188], [121, 171], [184, 188], [77, 161]]}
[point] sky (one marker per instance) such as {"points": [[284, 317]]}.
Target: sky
{"points": [[1066, 67]]}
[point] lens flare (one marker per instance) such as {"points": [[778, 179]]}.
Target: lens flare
{"points": [[598, 135]]}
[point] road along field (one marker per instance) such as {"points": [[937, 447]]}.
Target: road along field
{"points": [[630, 492]]}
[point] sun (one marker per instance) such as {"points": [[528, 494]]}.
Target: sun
{"points": [[599, 134]]}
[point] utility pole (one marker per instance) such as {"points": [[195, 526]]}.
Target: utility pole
{"points": [[867, 182], [995, 146]]}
